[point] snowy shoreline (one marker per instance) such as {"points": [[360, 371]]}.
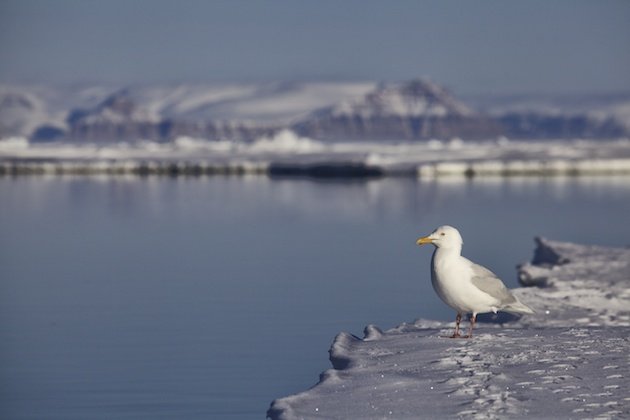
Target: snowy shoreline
{"points": [[287, 154], [569, 360]]}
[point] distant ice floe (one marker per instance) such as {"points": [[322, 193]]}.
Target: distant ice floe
{"points": [[525, 167], [286, 141], [13, 144], [286, 149], [568, 360]]}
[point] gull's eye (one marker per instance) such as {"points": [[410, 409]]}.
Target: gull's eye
{"points": [[442, 233]]}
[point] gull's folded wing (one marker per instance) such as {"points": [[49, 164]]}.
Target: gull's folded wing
{"points": [[488, 282]]}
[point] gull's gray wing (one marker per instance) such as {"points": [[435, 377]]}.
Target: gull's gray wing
{"points": [[488, 282]]}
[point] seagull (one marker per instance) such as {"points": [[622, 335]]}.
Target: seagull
{"points": [[463, 285]]}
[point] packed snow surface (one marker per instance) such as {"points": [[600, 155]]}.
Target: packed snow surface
{"points": [[569, 360]]}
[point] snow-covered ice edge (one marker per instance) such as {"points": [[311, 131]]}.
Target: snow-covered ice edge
{"points": [[569, 360], [289, 154]]}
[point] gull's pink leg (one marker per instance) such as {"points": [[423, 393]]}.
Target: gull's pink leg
{"points": [[473, 319], [458, 319]]}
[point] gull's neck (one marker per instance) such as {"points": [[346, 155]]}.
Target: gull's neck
{"points": [[445, 252]]}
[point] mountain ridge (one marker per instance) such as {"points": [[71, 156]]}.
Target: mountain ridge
{"points": [[415, 110]]}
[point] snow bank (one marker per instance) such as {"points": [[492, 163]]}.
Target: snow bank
{"points": [[581, 285], [570, 360]]}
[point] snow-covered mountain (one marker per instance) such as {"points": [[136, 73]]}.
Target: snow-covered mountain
{"points": [[23, 110], [405, 111], [417, 98], [330, 111], [41, 112], [214, 112], [559, 116]]}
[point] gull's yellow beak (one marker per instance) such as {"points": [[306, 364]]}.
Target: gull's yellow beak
{"points": [[424, 240]]}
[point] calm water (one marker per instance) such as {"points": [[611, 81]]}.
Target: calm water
{"points": [[209, 297]]}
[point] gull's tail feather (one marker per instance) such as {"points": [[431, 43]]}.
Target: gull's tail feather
{"points": [[518, 308]]}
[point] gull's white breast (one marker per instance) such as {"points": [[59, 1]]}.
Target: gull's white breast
{"points": [[451, 277]]}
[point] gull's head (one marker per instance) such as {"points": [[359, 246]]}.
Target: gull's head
{"points": [[443, 237]]}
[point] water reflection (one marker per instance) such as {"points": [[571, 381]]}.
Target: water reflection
{"points": [[239, 197]]}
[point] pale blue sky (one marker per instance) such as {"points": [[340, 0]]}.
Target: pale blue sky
{"points": [[470, 46]]}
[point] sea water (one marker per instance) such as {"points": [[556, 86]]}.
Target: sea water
{"points": [[156, 297]]}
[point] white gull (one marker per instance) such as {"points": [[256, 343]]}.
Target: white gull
{"points": [[463, 285]]}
